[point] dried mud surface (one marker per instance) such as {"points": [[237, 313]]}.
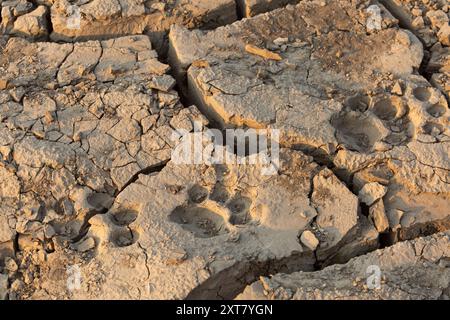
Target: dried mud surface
{"points": [[93, 204]]}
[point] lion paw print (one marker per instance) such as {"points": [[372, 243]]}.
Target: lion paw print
{"points": [[112, 227], [210, 214], [432, 114], [380, 122]]}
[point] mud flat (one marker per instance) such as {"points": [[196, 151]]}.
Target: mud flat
{"points": [[350, 98], [95, 204], [79, 123], [205, 231]]}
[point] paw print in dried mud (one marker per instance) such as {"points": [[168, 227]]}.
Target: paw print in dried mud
{"points": [[368, 124], [210, 214], [436, 110], [122, 234]]}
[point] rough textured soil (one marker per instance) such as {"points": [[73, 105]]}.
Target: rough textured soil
{"points": [[417, 269], [94, 205]]}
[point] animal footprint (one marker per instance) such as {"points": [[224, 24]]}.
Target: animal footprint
{"points": [[388, 108], [123, 235], [423, 94], [359, 102], [124, 217], [357, 131], [366, 121], [198, 194], [208, 215], [240, 207], [202, 222], [437, 110], [433, 129]]}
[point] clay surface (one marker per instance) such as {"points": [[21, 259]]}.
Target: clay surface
{"points": [[101, 100], [413, 270], [371, 117]]}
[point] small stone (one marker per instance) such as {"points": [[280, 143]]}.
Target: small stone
{"points": [[266, 54], [154, 66], [397, 89], [28, 277], [167, 98], [378, 215], [437, 18], [49, 231], [371, 192], [3, 84], [200, 64], [163, 83], [280, 41], [11, 265], [394, 217], [418, 23], [68, 207], [416, 12], [22, 7], [159, 6], [444, 35], [309, 240]]}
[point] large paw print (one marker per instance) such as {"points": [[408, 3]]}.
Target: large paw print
{"points": [[210, 214], [367, 121], [112, 227], [433, 107]]}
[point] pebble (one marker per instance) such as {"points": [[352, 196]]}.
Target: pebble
{"points": [[309, 240]]}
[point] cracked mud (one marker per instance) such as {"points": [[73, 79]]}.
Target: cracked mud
{"points": [[91, 93]]}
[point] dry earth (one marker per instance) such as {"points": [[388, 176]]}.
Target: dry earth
{"points": [[93, 204]]}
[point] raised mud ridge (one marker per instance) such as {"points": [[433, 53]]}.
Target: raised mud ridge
{"points": [[88, 184]]}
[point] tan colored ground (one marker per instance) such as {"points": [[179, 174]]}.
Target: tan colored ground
{"points": [[94, 205]]}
